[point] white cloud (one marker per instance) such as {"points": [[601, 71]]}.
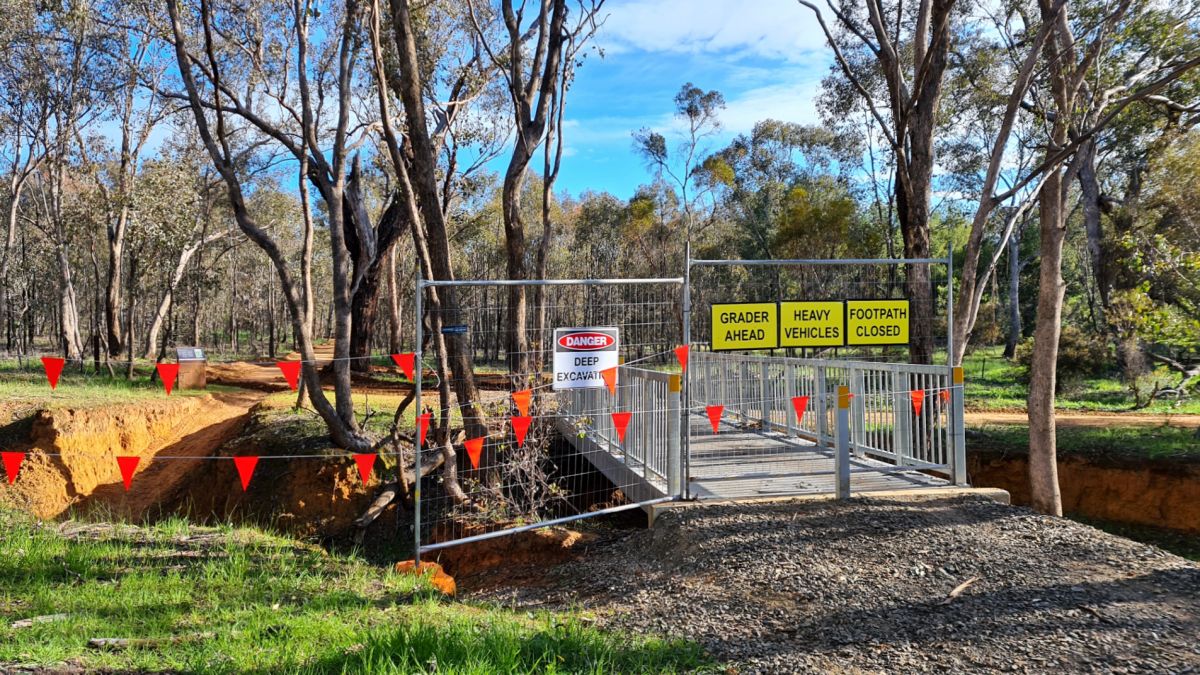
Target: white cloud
{"points": [[779, 29]]}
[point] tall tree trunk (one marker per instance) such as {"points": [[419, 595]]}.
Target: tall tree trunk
{"points": [[514, 250], [395, 327], [1043, 456], [1014, 294], [112, 289]]}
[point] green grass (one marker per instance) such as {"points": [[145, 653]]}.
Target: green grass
{"points": [[237, 600], [993, 383], [1118, 442], [28, 385]]}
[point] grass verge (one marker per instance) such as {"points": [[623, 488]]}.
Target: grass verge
{"points": [[236, 600], [1162, 442]]}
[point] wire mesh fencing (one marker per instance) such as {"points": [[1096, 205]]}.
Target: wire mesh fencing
{"points": [[507, 446]]}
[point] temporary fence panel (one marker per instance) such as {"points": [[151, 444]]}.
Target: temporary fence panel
{"points": [[529, 454], [752, 364]]}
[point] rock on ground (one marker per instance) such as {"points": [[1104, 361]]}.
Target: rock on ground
{"points": [[869, 586]]}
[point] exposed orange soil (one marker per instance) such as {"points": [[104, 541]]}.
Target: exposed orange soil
{"points": [[1083, 419], [1160, 494]]}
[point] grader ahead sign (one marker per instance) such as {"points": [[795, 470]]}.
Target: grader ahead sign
{"points": [[581, 355]]}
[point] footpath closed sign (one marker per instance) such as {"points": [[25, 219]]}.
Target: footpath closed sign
{"points": [[877, 322], [582, 354], [750, 325], [812, 324]]}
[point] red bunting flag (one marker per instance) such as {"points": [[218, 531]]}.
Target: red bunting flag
{"points": [[365, 463], [681, 353], [610, 379], [291, 371], [621, 422], [918, 400], [423, 428], [245, 468], [167, 372], [714, 416], [54, 368], [12, 464], [520, 426], [407, 362], [521, 398], [800, 403], [945, 395], [128, 465], [474, 450]]}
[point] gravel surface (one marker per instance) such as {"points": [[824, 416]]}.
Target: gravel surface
{"points": [[870, 586]]}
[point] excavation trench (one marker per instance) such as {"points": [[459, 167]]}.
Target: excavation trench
{"points": [[71, 469]]}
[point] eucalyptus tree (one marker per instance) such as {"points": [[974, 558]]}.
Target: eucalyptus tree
{"points": [[894, 57], [699, 111], [534, 54], [287, 77]]}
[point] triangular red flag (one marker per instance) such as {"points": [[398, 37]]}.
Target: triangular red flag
{"points": [[407, 362], [423, 428], [365, 463], [475, 449], [167, 372], [54, 368], [128, 466], [291, 371], [610, 379], [800, 403], [918, 400], [945, 395], [521, 398], [681, 353], [621, 422], [12, 464], [245, 468], [714, 416], [520, 426]]}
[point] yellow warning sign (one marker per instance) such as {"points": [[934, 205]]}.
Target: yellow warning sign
{"points": [[811, 324], [877, 322], [749, 325]]}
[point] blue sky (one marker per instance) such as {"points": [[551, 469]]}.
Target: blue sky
{"points": [[766, 56]]}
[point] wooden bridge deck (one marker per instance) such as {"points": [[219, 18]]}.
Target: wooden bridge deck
{"points": [[746, 463]]}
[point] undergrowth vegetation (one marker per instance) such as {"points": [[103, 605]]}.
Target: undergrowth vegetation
{"points": [[184, 598]]}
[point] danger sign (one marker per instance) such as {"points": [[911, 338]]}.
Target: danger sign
{"points": [[877, 322], [812, 324], [749, 325], [582, 354]]}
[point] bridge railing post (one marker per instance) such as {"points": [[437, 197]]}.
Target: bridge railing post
{"points": [[674, 437], [821, 408], [789, 378], [958, 429], [841, 457], [901, 420], [859, 410]]}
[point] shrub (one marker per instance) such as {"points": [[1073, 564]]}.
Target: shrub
{"points": [[1079, 356]]}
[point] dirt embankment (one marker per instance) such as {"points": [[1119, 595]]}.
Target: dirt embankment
{"points": [[1159, 493], [71, 462]]}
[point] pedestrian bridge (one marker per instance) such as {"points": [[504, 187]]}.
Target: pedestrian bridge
{"points": [[751, 427]]}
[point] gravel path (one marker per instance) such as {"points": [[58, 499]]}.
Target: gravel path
{"points": [[866, 586]]}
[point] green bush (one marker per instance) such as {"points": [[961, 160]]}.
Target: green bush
{"points": [[1080, 356]]}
